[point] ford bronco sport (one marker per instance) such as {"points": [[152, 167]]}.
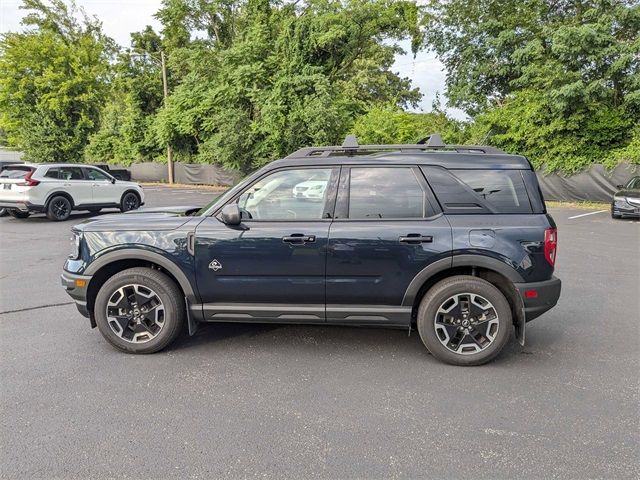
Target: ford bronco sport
{"points": [[454, 240]]}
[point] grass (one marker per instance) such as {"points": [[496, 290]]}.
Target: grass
{"points": [[586, 205], [213, 188]]}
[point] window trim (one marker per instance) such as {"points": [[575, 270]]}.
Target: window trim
{"points": [[86, 171], [60, 167], [431, 206], [329, 206], [487, 208]]}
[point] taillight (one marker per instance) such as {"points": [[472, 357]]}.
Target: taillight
{"points": [[28, 181], [550, 245]]}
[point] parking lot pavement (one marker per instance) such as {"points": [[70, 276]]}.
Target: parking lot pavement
{"points": [[329, 402]]}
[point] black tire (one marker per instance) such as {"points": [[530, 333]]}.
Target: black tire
{"points": [[18, 213], [438, 296], [3, 212], [130, 201], [170, 296], [59, 208], [615, 215]]}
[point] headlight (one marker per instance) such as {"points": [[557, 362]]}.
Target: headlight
{"points": [[74, 254], [621, 201]]}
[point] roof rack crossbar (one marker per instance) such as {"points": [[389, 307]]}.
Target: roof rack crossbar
{"points": [[350, 146]]}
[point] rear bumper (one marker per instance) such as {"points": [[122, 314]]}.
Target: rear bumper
{"points": [[539, 297], [76, 286], [21, 205]]}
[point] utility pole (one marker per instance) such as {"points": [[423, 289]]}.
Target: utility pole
{"points": [[166, 94]]}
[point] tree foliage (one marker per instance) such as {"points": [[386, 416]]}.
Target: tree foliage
{"points": [[268, 78], [557, 81], [53, 80], [253, 80]]}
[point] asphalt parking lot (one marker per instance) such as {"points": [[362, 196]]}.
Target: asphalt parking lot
{"points": [[326, 402]]}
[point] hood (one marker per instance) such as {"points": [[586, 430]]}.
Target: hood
{"points": [[173, 210], [627, 193], [148, 219]]}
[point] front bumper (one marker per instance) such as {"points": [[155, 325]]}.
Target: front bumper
{"points": [[76, 286], [539, 297]]}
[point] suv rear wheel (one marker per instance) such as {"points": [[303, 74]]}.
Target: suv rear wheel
{"points": [[59, 208], [140, 310], [464, 320]]}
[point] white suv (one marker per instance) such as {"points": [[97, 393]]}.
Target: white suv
{"points": [[57, 189]]}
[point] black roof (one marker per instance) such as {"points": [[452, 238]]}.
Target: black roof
{"points": [[430, 151]]}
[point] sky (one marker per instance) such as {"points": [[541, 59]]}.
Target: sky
{"points": [[121, 17]]}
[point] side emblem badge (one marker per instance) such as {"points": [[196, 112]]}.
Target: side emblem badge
{"points": [[215, 265]]}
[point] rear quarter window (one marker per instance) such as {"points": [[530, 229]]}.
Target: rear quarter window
{"points": [[465, 191]]}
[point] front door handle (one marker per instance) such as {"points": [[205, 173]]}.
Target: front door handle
{"points": [[416, 238], [299, 238]]}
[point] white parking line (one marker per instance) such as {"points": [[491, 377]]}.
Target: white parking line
{"points": [[585, 214]]}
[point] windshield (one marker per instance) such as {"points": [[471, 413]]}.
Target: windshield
{"points": [[634, 183]]}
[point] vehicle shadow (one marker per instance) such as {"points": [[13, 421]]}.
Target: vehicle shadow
{"points": [[325, 337], [75, 217], [330, 339]]}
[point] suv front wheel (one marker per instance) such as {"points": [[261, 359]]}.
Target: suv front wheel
{"points": [[140, 310], [464, 320]]}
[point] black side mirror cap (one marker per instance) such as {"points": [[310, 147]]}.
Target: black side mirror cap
{"points": [[620, 186], [230, 214]]}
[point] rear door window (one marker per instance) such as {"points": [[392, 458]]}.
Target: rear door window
{"points": [[387, 193], [71, 173], [466, 191]]}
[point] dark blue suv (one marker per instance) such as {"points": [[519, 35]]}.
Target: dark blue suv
{"points": [[454, 240]]}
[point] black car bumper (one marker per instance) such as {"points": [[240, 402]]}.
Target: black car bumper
{"points": [[539, 297], [76, 286], [22, 206]]}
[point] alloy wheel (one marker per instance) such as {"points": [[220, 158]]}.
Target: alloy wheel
{"points": [[135, 313], [61, 208], [130, 202], [466, 323]]}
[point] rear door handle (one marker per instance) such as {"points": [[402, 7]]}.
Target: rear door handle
{"points": [[416, 238], [299, 238]]}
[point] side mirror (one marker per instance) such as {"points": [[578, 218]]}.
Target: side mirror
{"points": [[113, 180], [620, 186], [231, 214]]}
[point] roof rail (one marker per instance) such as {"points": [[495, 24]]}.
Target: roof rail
{"points": [[350, 146]]}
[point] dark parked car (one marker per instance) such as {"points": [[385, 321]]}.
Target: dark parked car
{"points": [[452, 240], [626, 201], [117, 173]]}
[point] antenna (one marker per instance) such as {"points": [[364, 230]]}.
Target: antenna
{"points": [[433, 140], [350, 142]]}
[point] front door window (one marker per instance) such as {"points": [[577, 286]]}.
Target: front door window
{"points": [[287, 195]]}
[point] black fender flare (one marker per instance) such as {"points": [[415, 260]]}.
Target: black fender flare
{"points": [[131, 190], [153, 257], [58, 193], [470, 260]]}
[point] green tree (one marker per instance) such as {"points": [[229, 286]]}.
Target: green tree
{"points": [[270, 77], [389, 125], [135, 96], [53, 81], [558, 81]]}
